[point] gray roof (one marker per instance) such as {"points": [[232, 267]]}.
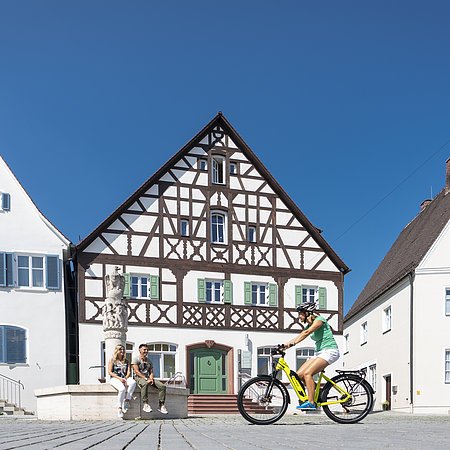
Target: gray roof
{"points": [[407, 251]]}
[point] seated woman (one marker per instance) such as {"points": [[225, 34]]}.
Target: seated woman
{"points": [[120, 372], [327, 351]]}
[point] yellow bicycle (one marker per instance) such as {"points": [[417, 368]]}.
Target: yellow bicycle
{"points": [[345, 398]]}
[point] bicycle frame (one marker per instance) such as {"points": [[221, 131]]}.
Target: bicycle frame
{"points": [[281, 364]]}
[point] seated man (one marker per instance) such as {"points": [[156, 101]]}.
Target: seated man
{"points": [[143, 374]]}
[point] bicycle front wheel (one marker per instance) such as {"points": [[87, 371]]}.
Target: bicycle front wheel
{"points": [[263, 400], [356, 407]]}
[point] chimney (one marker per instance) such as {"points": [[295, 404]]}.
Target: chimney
{"points": [[447, 177], [424, 204]]}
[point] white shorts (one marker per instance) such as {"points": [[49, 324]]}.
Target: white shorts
{"points": [[330, 355]]}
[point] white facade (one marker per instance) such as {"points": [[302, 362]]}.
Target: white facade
{"points": [[407, 348], [32, 308]]}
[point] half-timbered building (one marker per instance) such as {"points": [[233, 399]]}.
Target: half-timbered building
{"points": [[216, 258]]}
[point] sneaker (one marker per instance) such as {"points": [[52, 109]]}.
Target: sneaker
{"points": [[120, 414], [147, 408], [307, 406], [125, 406], [162, 409]]}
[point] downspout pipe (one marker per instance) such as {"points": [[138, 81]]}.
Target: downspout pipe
{"points": [[411, 340]]}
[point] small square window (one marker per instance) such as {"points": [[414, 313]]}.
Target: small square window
{"points": [[202, 164], [233, 168]]}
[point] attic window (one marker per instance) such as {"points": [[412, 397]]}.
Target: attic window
{"points": [[218, 165], [6, 202]]}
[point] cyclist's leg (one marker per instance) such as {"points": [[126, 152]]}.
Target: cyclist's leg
{"points": [[308, 370]]}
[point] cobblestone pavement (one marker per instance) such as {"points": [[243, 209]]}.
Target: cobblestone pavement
{"points": [[377, 431]]}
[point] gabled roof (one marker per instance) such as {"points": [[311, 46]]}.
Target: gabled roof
{"points": [[407, 251], [49, 224], [221, 121]]}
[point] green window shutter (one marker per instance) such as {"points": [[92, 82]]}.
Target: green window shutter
{"points": [[322, 298], [273, 297], [247, 293], [298, 295], [154, 287], [126, 289], [201, 290], [227, 291]]}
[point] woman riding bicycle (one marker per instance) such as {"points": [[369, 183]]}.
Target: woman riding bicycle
{"points": [[327, 351]]}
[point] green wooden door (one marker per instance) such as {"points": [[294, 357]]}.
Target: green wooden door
{"points": [[209, 375]]}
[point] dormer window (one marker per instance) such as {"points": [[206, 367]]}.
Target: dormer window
{"points": [[218, 166]]}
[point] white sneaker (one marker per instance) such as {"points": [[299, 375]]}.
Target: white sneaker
{"points": [[125, 406], [162, 409], [147, 408], [120, 414]]}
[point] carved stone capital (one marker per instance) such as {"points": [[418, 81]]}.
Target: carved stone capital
{"points": [[114, 334]]}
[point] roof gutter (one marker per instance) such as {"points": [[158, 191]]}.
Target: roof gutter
{"points": [[411, 340]]}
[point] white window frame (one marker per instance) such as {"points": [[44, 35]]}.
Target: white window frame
{"points": [[139, 285], [363, 336], [447, 301], [215, 227], [265, 354], [387, 319], [235, 165], [310, 294], [217, 169], [346, 348], [261, 297], [372, 375], [202, 164], [447, 366], [171, 350], [215, 290]]}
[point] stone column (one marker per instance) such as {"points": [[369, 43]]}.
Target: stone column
{"points": [[115, 314]]}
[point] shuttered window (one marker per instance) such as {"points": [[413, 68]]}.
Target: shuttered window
{"points": [[53, 272], [12, 345], [141, 286], [33, 271]]}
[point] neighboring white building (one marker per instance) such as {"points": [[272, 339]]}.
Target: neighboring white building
{"points": [[399, 326], [217, 257], [32, 306]]}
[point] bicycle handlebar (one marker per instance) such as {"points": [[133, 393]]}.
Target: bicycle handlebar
{"points": [[280, 350]]}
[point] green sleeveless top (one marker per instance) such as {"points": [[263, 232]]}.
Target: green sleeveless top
{"points": [[323, 337]]}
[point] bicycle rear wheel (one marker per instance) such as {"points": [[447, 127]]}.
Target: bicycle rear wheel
{"points": [[356, 407], [263, 400]]}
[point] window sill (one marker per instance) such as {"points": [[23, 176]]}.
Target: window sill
{"points": [[14, 364], [220, 244]]}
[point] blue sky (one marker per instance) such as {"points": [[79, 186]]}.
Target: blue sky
{"points": [[341, 100]]}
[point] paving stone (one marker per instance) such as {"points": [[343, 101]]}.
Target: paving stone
{"points": [[378, 431]]}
